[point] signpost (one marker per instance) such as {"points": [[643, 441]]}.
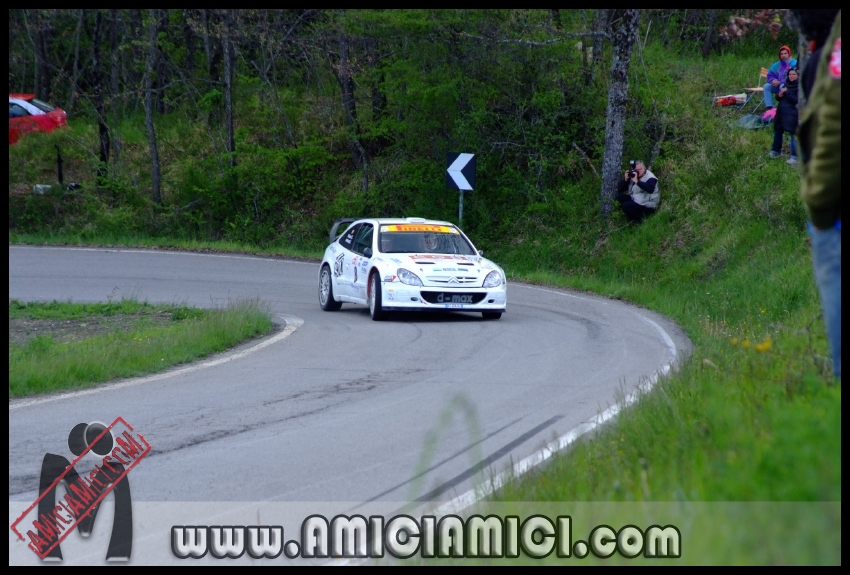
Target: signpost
{"points": [[460, 175]]}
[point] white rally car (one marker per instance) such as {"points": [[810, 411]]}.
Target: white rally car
{"points": [[408, 264]]}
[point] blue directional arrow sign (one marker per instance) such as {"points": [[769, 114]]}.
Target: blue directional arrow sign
{"points": [[461, 172]]}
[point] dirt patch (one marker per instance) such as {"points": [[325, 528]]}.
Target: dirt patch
{"points": [[21, 330]]}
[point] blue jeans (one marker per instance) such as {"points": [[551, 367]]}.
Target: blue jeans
{"points": [[769, 92], [826, 257], [778, 135]]}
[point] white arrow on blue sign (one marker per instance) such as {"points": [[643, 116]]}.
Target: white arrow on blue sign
{"points": [[461, 172]]}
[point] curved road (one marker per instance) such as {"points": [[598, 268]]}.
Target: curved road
{"points": [[337, 407]]}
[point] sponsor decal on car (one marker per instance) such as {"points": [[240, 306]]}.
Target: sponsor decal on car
{"points": [[418, 228], [441, 257], [389, 278], [338, 265], [454, 298]]}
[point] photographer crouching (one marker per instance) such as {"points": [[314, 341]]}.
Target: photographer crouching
{"points": [[638, 192]]}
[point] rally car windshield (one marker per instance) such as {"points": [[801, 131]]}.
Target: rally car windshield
{"points": [[444, 240]]}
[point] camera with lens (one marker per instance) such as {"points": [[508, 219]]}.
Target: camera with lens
{"points": [[632, 168]]}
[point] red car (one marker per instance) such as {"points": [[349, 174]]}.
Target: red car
{"points": [[29, 114]]}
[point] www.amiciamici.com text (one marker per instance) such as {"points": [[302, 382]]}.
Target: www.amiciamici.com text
{"points": [[403, 537]]}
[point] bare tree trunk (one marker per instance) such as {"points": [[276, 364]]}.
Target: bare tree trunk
{"points": [[42, 87], [210, 21], [161, 78], [586, 52], [709, 35], [227, 48], [556, 18], [600, 24], [379, 99], [623, 30], [189, 39], [114, 85], [206, 21], [97, 95], [346, 84], [34, 17], [133, 76], [150, 66], [75, 70]]}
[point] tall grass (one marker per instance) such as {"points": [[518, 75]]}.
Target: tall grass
{"points": [[44, 365]]}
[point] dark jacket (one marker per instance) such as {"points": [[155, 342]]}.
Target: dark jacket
{"points": [[820, 135], [807, 77], [786, 111]]}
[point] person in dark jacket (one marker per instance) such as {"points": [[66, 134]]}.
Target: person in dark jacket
{"points": [[815, 24], [821, 159], [786, 118]]}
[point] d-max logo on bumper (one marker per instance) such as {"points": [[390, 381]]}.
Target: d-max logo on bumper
{"points": [[454, 298], [441, 298]]}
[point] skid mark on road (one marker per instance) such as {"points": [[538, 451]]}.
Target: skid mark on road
{"points": [[465, 500]]}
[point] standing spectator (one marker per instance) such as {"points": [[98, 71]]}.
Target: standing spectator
{"points": [[815, 26], [638, 192], [786, 115], [820, 146], [776, 75]]}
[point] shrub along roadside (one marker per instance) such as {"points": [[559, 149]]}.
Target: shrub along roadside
{"points": [[125, 339]]}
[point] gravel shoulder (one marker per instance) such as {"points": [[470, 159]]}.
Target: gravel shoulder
{"points": [[22, 330]]}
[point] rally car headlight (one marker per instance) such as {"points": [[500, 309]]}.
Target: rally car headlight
{"points": [[493, 279], [408, 277]]}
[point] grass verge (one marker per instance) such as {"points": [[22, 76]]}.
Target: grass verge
{"points": [[121, 339]]}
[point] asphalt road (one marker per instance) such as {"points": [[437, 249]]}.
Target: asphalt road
{"points": [[338, 407]]}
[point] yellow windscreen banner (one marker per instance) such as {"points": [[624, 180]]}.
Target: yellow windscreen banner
{"points": [[418, 228]]}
